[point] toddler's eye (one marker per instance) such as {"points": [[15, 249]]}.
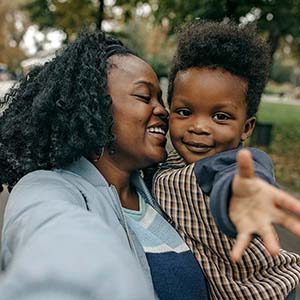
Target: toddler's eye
{"points": [[221, 116], [184, 112]]}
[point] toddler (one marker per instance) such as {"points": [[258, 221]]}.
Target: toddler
{"points": [[218, 74]]}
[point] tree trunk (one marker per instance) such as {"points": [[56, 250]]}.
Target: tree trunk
{"points": [[100, 14], [231, 7], [273, 40]]}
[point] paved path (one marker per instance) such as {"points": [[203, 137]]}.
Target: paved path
{"points": [[281, 100]]}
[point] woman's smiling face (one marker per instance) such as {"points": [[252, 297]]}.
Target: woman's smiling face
{"points": [[140, 119], [208, 113]]}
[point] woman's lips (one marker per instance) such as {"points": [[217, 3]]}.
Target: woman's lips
{"points": [[158, 136]]}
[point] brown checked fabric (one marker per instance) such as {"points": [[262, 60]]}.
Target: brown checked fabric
{"points": [[258, 276]]}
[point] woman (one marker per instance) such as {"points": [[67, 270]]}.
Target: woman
{"points": [[66, 235], [80, 223]]}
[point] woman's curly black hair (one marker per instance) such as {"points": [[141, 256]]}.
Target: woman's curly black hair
{"points": [[236, 49], [60, 111]]}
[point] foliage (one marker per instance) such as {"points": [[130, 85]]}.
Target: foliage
{"points": [[150, 42], [71, 16], [285, 146], [274, 17], [281, 72], [10, 37], [138, 33], [177, 11], [274, 88]]}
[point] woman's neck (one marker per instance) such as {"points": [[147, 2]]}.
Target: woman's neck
{"points": [[121, 180]]}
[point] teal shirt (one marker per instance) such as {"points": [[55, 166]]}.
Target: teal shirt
{"points": [[175, 272]]}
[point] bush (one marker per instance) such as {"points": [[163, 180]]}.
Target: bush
{"points": [[281, 72], [285, 145], [160, 64]]}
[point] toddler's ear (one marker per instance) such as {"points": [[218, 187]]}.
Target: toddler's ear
{"points": [[248, 128]]}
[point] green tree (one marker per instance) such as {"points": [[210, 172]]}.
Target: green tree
{"points": [[13, 25], [275, 18], [71, 16], [147, 40]]}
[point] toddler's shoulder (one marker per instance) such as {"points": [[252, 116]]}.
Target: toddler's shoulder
{"points": [[174, 173]]}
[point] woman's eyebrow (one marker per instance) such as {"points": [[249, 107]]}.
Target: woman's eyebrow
{"points": [[149, 84]]}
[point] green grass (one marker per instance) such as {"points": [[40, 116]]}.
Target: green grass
{"points": [[285, 145], [279, 114]]}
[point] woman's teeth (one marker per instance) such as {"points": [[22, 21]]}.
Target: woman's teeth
{"points": [[156, 130]]}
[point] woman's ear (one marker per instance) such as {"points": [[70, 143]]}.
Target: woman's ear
{"points": [[248, 128]]}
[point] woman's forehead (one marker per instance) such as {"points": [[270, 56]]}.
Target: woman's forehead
{"points": [[129, 64], [131, 68]]}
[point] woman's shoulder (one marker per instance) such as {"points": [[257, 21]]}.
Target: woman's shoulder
{"points": [[41, 186], [41, 181]]}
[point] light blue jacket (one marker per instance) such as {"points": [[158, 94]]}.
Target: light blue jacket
{"points": [[69, 240]]}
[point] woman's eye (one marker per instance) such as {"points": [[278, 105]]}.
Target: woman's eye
{"points": [[184, 112], [221, 117], [144, 97]]}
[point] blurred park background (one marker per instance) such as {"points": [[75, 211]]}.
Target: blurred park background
{"points": [[31, 31]]}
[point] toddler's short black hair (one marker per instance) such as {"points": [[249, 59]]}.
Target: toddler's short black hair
{"points": [[236, 49]]}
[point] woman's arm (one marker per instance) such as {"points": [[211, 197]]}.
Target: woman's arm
{"points": [[53, 248]]}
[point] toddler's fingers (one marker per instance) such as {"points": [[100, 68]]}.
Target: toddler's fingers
{"points": [[242, 242], [292, 225], [288, 221], [245, 164], [270, 238], [286, 201]]}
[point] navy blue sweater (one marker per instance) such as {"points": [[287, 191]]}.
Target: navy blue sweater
{"points": [[215, 174]]}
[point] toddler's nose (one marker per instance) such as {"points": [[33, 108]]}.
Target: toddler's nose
{"points": [[200, 127]]}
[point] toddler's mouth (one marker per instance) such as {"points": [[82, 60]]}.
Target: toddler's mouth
{"points": [[198, 147]]}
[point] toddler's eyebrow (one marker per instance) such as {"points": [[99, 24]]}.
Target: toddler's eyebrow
{"points": [[226, 103]]}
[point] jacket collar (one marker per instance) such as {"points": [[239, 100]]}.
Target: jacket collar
{"points": [[88, 171]]}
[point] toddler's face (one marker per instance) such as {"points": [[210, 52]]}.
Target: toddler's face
{"points": [[208, 113]]}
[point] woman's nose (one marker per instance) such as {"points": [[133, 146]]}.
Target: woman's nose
{"points": [[160, 111]]}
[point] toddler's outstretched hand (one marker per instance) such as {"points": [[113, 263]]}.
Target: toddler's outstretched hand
{"points": [[256, 205]]}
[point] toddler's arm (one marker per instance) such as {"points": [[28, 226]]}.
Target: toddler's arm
{"points": [[256, 205], [251, 203]]}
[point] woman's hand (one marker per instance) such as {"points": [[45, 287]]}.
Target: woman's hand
{"points": [[256, 205]]}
